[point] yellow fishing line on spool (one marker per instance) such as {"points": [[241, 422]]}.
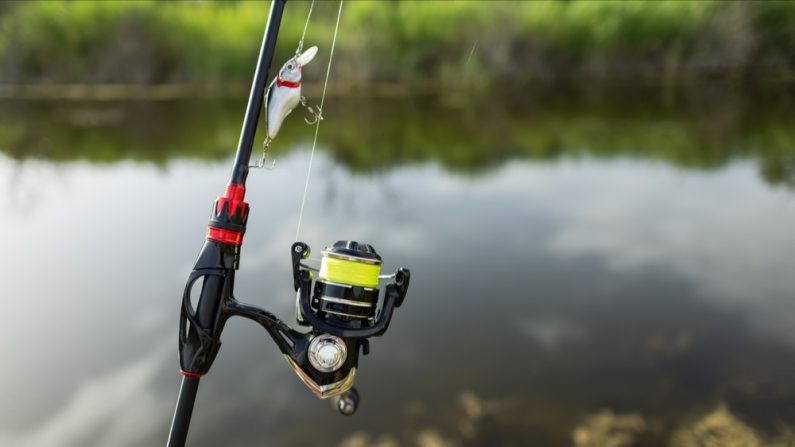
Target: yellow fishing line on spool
{"points": [[347, 271]]}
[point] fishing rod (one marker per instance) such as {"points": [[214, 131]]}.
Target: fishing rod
{"points": [[340, 302]]}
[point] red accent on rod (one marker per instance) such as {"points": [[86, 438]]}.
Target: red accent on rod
{"points": [[233, 200], [234, 191], [233, 196], [224, 236], [190, 374]]}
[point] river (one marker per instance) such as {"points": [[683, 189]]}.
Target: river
{"points": [[587, 268]]}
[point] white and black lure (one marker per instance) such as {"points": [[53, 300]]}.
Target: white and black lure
{"points": [[284, 95]]}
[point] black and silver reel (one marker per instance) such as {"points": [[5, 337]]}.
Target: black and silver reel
{"points": [[344, 309]]}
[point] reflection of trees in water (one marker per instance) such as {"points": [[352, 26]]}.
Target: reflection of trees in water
{"points": [[23, 188], [702, 127]]}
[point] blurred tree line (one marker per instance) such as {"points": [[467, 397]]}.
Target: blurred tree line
{"points": [[478, 41]]}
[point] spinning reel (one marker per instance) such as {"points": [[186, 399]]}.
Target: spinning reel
{"points": [[343, 307], [343, 310]]}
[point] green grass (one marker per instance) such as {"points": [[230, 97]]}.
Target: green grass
{"points": [[167, 42]]}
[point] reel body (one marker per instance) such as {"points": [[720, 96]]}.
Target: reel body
{"points": [[343, 307]]}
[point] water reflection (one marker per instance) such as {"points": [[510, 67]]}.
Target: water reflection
{"points": [[552, 303], [701, 127]]}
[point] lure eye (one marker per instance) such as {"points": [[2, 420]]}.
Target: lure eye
{"points": [[290, 66]]}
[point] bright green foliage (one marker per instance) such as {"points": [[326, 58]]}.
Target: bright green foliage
{"points": [[203, 41]]}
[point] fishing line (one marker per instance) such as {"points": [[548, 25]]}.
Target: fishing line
{"points": [[301, 42], [471, 52], [317, 125], [349, 270]]}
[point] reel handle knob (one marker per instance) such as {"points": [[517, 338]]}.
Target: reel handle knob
{"points": [[348, 402]]}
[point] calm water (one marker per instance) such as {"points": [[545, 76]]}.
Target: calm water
{"points": [[586, 270]]}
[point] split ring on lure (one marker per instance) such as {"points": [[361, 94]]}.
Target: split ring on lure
{"points": [[283, 95]]}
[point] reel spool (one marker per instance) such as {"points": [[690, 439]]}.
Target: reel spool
{"points": [[345, 298], [347, 284]]}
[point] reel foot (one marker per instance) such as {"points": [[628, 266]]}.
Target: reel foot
{"points": [[348, 402]]}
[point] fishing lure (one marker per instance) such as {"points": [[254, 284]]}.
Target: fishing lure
{"points": [[284, 95]]}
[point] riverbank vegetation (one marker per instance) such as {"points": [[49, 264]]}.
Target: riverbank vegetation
{"points": [[145, 42]]}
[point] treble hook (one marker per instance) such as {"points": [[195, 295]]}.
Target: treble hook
{"points": [[315, 112], [261, 162]]}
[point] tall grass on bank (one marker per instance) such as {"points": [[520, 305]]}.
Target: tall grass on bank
{"points": [[202, 41]]}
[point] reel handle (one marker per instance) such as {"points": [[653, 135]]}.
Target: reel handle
{"points": [[348, 402]]}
